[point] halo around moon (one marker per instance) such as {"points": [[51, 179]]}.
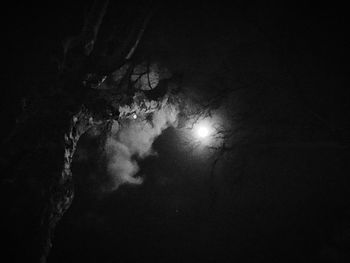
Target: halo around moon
{"points": [[202, 131]]}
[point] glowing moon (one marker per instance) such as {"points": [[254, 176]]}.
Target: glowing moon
{"points": [[202, 132]]}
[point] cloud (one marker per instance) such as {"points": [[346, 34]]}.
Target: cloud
{"points": [[132, 139], [120, 163]]}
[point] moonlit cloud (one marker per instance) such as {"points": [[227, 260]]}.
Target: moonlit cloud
{"points": [[132, 138]]}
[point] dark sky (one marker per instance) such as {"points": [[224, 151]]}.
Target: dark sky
{"points": [[286, 201]]}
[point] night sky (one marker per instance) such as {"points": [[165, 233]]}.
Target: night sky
{"points": [[279, 194]]}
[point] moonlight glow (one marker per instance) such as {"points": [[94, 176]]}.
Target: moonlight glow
{"points": [[202, 132]]}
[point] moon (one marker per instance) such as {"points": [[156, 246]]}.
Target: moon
{"points": [[202, 131]]}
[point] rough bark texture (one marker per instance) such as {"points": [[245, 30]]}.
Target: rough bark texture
{"points": [[79, 83], [62, 189]]}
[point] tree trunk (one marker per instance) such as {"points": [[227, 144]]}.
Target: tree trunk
{"points": [[49, 129], [62, 188]]}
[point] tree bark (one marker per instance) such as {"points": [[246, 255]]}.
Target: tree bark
{"points": [[62, 188]]}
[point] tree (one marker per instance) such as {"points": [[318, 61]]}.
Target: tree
{"points": [[100, 79]]}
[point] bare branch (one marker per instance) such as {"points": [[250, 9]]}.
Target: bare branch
{"points": [[139, 35], [123, 53], [93, 22], [87, 37]]}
